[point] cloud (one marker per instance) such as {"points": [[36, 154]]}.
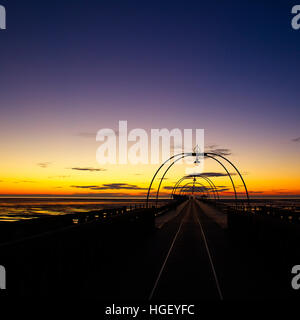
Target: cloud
{"points": [[85, 187], [104, 194], [216, 149], [208, 188], [111, 186], [222, 189], [87, 169], [211, 174], [281, 191], [44, 164], [221, 151], [210, 147], [296, 139], [253, 192], [168, 187], [122, 186], [190, 188]]}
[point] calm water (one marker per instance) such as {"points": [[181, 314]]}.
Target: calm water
{"points": [[14, 209]]}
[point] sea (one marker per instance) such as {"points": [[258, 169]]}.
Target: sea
{"points": [[23, 208]]}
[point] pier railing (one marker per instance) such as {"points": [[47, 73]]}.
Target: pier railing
{"points": [[70, 248], [137, 215], [285, 215]]}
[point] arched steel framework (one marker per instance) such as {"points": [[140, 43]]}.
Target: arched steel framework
{"points": [[193, 154], [212, 186], [150, 186], [229, 175], [162, 178], [235, 168], [202, 176], [178, 183], [186, 190], [194, 183]]}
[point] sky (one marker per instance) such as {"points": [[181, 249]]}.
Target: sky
{"points": [[70, 68]]}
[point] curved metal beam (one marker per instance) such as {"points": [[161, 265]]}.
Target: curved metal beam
{"points": [[192, 182], [162, 178], [228, 173], [184, 191], [214, 188], [178, 183], [198, 183], [207, 154], [187, 189], [236, 169], [150, 186], [203, 176]]}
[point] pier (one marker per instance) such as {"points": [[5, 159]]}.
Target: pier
{"points": [[189, 250]]}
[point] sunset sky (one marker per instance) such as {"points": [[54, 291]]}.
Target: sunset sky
{"points": [[70, 68]]}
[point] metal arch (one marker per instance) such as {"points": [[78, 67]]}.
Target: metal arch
{"points": [[187, 189], [206, 154], [218, 155], [203, 176], [150, 186], [229, 175], [192, 182], [178, 183], [162, 178], [184, 191], [192, 154], [198, 183], [214, 188]]}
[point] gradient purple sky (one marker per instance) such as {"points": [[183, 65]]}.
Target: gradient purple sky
{"points": [[230, 67]]}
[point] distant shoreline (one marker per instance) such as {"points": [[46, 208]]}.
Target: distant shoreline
{"points": [[47, 197]]}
